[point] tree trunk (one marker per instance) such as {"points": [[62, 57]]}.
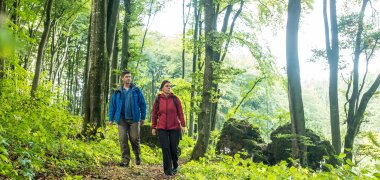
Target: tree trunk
{"points": [[60, 61], [69, 78], [41, 48], [214, 109], [14, 14], [194, 70], [216, 57], [333, 59], [75, 91], [152, 92], [53, 48], [125, 55], [353, 128], [150, 18], [2, 7], [87, 65], [294, 83], [217, 54], [354, 118], [204, 117], [112, 19], [184, 21], [31, 48], [94, 114], [231, 30], [2, 68], [2, 65], [2, 60], [355, 78], [115, 56], [199, 48]]}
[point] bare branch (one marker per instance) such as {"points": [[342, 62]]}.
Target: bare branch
{"points": [[368, 58], [231, 30], [349, 82], [246, 95]]}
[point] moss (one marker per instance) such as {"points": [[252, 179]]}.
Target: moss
{"points": [[240, 136], [280, 147], [147, 138]]}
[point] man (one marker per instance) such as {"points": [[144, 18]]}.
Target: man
{"points": [[128, 109]]}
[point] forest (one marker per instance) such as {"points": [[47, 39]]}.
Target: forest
{"points": [[270, 89]]}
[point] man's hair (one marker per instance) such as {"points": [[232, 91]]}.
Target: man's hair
{"points": [[124, 72], [163, 84]]}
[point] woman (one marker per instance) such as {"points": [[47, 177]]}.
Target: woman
{"points": [[168, 123]]}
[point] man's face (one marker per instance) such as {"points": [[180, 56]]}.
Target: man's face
{"points": [[126, 79]]}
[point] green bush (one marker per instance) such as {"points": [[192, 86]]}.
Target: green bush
{"points": [[37, 135], [227, 167]]}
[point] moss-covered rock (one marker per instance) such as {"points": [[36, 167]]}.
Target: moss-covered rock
{"points": [[239, 136], [280, 147], [147, 138]]}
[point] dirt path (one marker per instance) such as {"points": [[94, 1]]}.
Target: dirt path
{"points": [[144, 171]]}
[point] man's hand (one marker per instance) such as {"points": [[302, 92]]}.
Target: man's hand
{"points": [[141, 122], [154, 132]]}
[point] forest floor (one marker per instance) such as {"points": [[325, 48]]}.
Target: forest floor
{"points": [[143, 171]]}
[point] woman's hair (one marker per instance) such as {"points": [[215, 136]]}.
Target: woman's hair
{"points": [[163, 84]]}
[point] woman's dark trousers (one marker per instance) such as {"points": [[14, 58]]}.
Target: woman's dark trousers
{"points": [[169, 140]]}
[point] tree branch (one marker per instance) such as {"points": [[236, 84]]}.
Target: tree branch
{"points": [[231, 30], [364, 102], [246, 95]]}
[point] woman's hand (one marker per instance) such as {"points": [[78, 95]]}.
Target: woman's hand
{"points": [[154, 132], [183, 130]]}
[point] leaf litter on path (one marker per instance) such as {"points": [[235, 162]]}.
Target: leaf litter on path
{"points": [[135, 172]]}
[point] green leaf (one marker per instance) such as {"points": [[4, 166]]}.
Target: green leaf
{"points": [[376, 175], [3, 151], [329, 166], [349, 162], [3, 158], [341, 156], [377, 167]]}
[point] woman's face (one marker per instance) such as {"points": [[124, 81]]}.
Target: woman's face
{"points": [[166, 88]]}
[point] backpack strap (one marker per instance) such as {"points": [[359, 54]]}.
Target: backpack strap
{"points": [[175, 103], [179, 122]]}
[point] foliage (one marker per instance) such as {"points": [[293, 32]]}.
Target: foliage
{"points": [[38, 138], [226, 167], [186, 144], [266, 106], [368, 149], [7, 41]]}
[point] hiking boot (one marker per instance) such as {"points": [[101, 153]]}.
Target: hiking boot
{"points": [[124, 164], [174, 171], [169, 175], [138, 161]]}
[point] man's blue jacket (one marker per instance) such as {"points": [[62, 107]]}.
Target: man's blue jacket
{"points": [[138, 105]]}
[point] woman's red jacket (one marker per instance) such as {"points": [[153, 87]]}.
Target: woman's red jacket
{"points": [[168, 117]]}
